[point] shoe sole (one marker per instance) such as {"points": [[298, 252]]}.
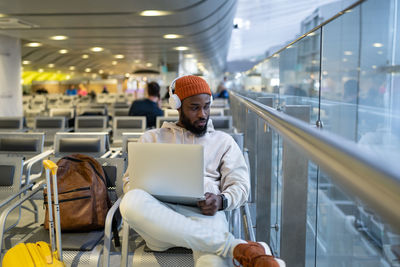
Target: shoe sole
{"points": [[268, 251]]}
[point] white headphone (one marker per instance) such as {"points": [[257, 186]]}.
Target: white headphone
{"points": [[174, 100]]}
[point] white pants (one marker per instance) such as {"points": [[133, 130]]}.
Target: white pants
{"points": [[164, 225]]}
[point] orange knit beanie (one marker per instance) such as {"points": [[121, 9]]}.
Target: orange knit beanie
{"points": [[191, 85]]}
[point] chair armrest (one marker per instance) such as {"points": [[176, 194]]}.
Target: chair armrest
{"points": [[10, 208], [34, 160], [10, 198], [108, 232], [115, 154], [106, 155]]}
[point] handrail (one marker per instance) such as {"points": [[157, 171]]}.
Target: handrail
{"points": [[356, 172], [359, 2]]}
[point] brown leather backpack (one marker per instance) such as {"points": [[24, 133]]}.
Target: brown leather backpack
{"points": [[82, 194]]}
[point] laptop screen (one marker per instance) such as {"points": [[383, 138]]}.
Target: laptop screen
{"points": [[170, 172]]}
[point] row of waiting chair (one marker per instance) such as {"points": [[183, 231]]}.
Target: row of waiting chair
{"points": [[52, 125], [79, 248], [16, 193]]}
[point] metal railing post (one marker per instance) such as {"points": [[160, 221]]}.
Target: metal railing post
{"points": [[264, 172], [294, 197]]}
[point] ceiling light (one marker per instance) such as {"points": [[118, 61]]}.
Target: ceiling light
{"points": [[127, 75], [172, 36], [189, 56], [149, 64], [137, 61], [85, 56], [88, 69], [58, 37], [72, 68], [101, 71], [374, 66], [26, 62], [348, 53], [33, 44], [344, 59], [377, 45], [114, 62], [3, 15], [63, 51], [154, 13], [119, 56], [96, 49], [181, 48], [51, 65], [68, 77], [40, 70]]}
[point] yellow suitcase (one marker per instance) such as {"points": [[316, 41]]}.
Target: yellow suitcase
{"points": [[31, 255], [40, 253]]}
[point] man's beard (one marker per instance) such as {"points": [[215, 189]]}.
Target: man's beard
{"points": [[198, 131]]}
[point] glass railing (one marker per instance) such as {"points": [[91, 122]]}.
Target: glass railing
{"points": [[342, 81]]}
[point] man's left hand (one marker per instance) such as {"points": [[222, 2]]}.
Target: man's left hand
{"points": [[211, 204]]}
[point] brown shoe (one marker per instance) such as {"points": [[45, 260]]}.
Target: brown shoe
{"points": [[252, 254]]}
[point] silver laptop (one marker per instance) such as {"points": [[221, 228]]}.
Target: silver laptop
{"points": [[170, 172]]}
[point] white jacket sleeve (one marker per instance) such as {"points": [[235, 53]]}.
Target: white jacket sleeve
{"points": [[235, 183]]}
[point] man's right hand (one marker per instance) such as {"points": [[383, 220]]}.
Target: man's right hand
{"points": [[211, 204]]}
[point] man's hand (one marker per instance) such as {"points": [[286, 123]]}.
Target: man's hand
{"points": [[211, 204]]}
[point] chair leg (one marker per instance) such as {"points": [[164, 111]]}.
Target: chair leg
{"points": [[124, 248], [35, 210], [248, 223], [236, 223]]}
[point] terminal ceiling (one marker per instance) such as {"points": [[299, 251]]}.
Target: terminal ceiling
{"points": [[116, 26]]}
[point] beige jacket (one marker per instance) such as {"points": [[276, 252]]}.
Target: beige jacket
{"points": [[225, 168]]}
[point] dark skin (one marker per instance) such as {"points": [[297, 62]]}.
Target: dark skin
{"points": [[197, 109]]}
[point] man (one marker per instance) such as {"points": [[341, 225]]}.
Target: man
{"points": [[71, 90], [149, 106], [203, 229], [222, 90]]}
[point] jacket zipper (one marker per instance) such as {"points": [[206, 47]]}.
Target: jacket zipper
{"points": [[70, 191], [70, 199]]}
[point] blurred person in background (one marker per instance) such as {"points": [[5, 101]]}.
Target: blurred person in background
{"points": [[71, 90], [149, 107], [82, 90]]}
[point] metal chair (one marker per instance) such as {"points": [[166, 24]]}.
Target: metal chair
{"points": [[93, 144], [12, 124], [222, 123], [50, 126], [69, 113], [161, 119], [80, 248], [133, 124], [28, 146], [239, 221], [91, 124]]}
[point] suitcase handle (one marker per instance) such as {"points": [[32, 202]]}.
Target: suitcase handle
{"points": [[48, 164], [55, 241]]}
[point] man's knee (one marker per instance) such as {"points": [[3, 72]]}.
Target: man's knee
{"points": [[132, 204]]}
